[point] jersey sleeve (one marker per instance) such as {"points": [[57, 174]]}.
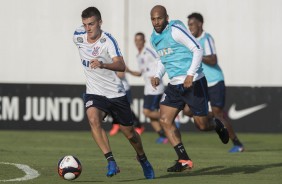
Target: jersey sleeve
{"points": [[77, 35], [209, 46], [181, 35], [113, 48]]}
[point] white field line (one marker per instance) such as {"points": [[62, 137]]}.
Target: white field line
{"points": [[29, 172]]}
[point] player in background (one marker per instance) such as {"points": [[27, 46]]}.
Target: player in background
{"points": [[214, 76], [101, 59], [139, 128], [181, 56], [147, 64]]}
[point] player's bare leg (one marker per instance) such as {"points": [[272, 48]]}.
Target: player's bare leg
{"points": [[208, 123], [168, 115], [95, 117], [98, 133], [135, 141], [154, 118]]}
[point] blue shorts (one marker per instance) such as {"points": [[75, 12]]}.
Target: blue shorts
{"points": [[128, 96], [195, 97], [217, 95], [118, 108], [152, 102]]}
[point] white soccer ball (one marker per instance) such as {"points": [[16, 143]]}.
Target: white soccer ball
{"points": [[69, 167]]}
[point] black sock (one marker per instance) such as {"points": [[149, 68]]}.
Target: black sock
{"points": [[142, 158], [161, 133], [236, 142], [109, 156], [181, 152]]}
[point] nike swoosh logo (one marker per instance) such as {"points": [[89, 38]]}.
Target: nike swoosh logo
{"points": [[237, 114], [158, 42]]}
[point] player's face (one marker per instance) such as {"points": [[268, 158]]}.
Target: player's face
{"points": [[139, 42], [159, 21], [194, 27], [92, 27]]}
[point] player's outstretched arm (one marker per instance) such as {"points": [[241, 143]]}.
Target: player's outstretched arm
{"points": [[134, 73]]}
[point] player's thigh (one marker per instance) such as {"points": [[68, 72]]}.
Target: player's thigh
{"points": [[167, 114], [95, 116]]}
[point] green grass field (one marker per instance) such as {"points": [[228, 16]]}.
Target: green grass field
{"points": [[41, 150]]}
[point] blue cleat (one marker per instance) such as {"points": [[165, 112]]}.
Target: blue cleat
{"points": [[112, 169], [162, 140], [236, 149], [148, 170]]}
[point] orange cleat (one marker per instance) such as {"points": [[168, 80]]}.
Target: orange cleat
{"points": [[114, 130], [140, 130]]}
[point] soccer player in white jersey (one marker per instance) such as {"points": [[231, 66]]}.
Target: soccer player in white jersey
{"points": [[214, 75], [181, 56], [147, 64], [101, 59]]}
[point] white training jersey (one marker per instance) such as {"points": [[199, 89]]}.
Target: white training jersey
{"points": [[99, 81], [147, 62]]}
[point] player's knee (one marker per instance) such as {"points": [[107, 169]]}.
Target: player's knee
{"points": [[94, 122], [146, 112]]}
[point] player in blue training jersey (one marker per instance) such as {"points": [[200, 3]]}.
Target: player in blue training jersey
{"points": [[180, 56], [214, 75], [101, 59]]}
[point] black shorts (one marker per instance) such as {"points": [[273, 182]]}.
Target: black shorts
{"points": [[217, 94], [152, 102], [118, 108], [195, 97]]}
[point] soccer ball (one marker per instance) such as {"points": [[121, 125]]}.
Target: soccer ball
{"points": [[69, 167]]}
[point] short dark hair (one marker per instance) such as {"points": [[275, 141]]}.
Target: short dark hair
{"points": [[91, 11], [140, 34], [197, 16]]}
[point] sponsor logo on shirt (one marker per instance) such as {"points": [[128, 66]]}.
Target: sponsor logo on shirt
{"points": [[165, 51]]}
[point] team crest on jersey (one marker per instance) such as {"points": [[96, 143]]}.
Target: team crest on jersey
{"points": [[95, 51], [79, 39], [103, 40]]}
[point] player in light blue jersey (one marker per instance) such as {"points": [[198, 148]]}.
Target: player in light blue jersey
{"points": [[180, 56], [214, 75]]}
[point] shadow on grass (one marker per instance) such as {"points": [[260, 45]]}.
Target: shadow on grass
{"points": [[221, 170]]}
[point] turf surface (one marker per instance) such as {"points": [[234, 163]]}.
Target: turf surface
{"points": [[41, 150]]}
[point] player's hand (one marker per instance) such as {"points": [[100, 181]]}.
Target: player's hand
{"points": [[155, 81], [96, 64], [188, 82]]}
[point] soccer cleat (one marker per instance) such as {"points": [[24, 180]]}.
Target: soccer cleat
{"points": [[112, 169], [147, 169], [162, 140], [236, 149], [180, 166], [221, 131], [114, 130], [140, 130]]}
